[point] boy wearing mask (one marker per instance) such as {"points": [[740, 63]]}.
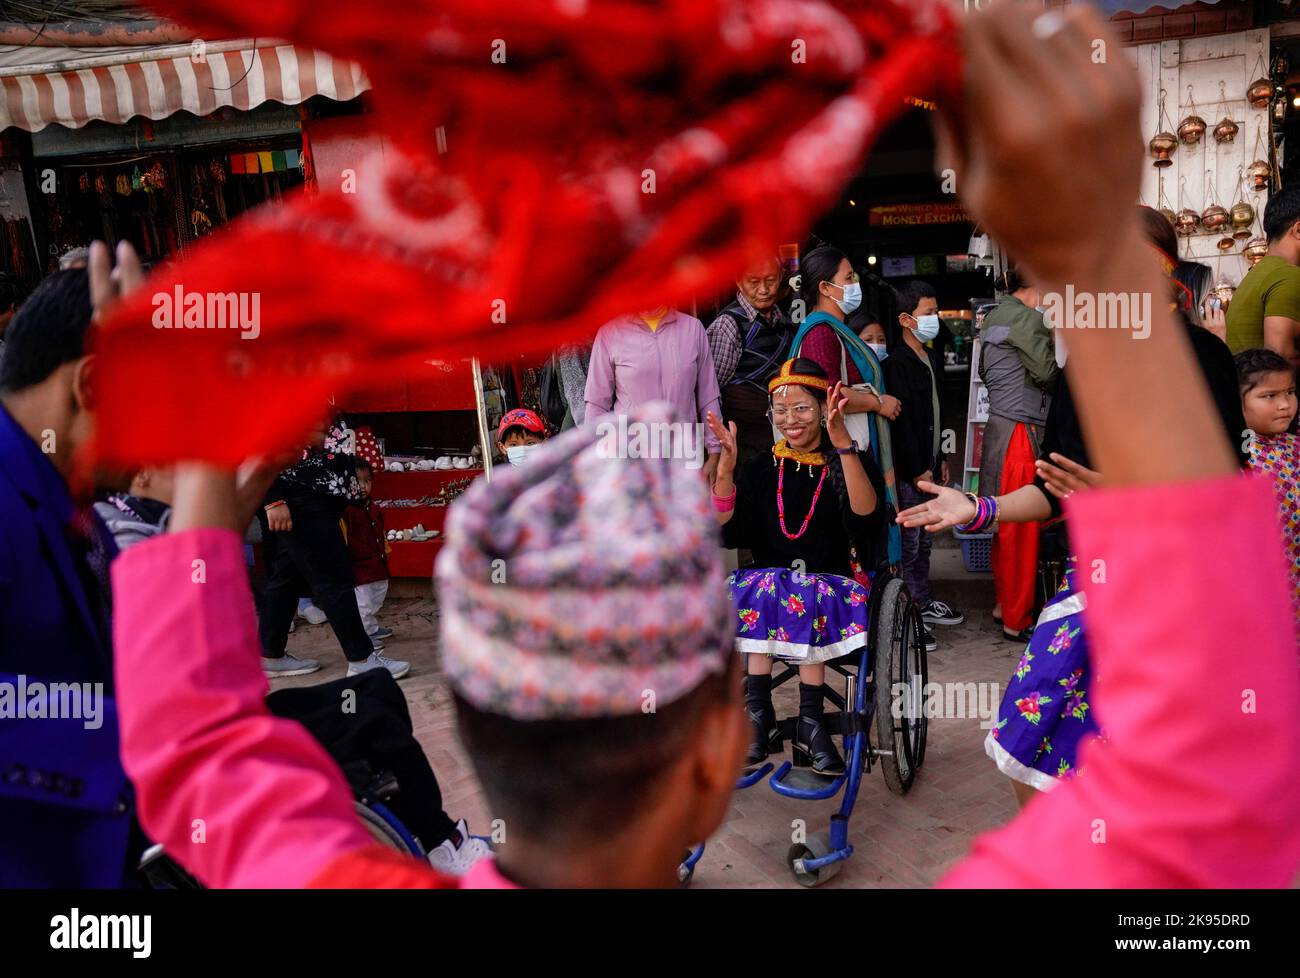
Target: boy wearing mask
{"points": [[519, 434]]}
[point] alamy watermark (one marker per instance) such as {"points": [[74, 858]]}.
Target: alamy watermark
{"points": [[652, 439], [947, 701], [21, 699], [1099, 310], [179, 309]]}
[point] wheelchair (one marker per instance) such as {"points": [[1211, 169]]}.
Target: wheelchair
{"points": [[893, 659]]}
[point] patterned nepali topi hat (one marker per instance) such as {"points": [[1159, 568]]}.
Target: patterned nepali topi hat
{"points": [[581, 584]]}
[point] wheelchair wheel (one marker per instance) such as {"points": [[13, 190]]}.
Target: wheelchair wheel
{"points": [[383, 832], [900, 665], [817, 845]]}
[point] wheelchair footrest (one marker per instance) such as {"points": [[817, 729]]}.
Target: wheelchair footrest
{"points": [[802, 783]]}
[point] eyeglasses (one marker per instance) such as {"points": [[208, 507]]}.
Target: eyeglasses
{"points": [[803, 412]]}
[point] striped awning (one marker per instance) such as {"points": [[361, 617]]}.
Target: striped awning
{"points": [[117, 84]]}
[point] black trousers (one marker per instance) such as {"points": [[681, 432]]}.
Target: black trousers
{"points": [[314, 551], [372, 735]]}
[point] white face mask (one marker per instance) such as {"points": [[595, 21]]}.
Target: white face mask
{"points": [[518, 454], [879, 350], [852, 296]]}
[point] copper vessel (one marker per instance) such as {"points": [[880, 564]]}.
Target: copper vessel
{"points": [[1214, 217], [1256, 248], [1169, 215], [1261, 173], [1191, 129], [1187, 222], [1260, 93], [1162, 144], [1243, 216], [1226, 131]]}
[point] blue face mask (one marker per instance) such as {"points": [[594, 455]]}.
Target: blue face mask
{"points": [[879, 350], [927, 328], [852, 296]]}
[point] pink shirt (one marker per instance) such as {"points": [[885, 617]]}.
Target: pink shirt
{"points": [[630, 366]]}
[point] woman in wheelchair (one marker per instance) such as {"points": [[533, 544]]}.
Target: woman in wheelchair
{"points": [[811, 513]]}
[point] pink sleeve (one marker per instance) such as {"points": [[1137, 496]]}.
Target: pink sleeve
{"points": [[707, 396], [1197, 692], [240, 798]]}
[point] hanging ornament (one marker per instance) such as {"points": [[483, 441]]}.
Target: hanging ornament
{"points": [[123, 185], [1260, 92], [1226, 130], [1261, 173], [1164, 142], [1256, 248], [218, 172], [159, 174], [101, 184], [1242, 214], [1163, 201], [1193, 127], [83, 182], [1224, 289], [1187, 221], [136, 179], [201, 223]]}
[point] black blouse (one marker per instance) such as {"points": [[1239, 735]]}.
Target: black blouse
{"points": [[824, 547]]}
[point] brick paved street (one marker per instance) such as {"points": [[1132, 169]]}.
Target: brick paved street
{"points": [[906, 841]]}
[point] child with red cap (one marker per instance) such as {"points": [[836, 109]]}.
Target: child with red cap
{"points": [[519, 432]]}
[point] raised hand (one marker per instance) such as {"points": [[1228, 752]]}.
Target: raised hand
{"points": [[948, 508], [108, 283], [837, 402], [726, 440]]}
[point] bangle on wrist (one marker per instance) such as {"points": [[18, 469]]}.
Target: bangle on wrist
{"points": [[270, 506], [724, 504], [986, 514]]}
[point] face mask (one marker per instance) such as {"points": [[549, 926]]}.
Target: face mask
{"points": [[852, 296], [879, 350], [927, 328], [518, 454]]}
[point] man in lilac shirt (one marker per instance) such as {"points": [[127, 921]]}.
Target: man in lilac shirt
{"points": [[658, 355]]}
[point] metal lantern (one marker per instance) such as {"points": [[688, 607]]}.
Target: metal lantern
{"points": [[1191, 129], [1243, 216], [1224, 290], [1169, 215], [1260, 93], [1162, 144], [1256, 248], [1214, 217], [1226, 131], [1261, 173], [1187, 221]]}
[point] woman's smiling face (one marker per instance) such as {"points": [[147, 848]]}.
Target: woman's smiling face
{"points": [[798, 416]]}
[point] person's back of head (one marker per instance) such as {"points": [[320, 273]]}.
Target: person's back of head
{"points": [[45, 370], [1282, 223], [587, 636]]}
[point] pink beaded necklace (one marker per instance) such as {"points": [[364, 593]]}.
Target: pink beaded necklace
{"points": [[780, 502]]}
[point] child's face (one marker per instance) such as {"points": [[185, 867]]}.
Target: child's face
{"points": [[873, 333], [365, 480], [1270, 405], [519, 436]]}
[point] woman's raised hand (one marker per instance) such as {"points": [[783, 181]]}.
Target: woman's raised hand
{"points": [[726, 440], [1066, 476], [837, 402]]}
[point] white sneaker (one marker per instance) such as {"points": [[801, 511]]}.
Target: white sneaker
{"points": [[313, 614], [288, 665], [455, 860], [378, 660]]}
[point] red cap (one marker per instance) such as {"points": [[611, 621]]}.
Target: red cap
{"points": [[521, 418]]}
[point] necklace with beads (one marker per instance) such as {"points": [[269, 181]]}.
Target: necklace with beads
{"points": [[780, 501], [782, 450]]}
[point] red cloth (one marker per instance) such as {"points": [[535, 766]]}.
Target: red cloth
{"points": [[537, 224], [1015, 545], [366, 543]]}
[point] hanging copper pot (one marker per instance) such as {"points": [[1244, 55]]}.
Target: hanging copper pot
{"points": [[1187, 222], [1256, 248], [1260, 93], [1191, 129], [1214, 217], [1224, 290], [1261, 173], [1243, 216], [1162, 145], [1169, 215], [1226, 131]]}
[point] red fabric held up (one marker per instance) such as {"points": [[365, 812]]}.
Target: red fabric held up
{"points": [[745, 118]]}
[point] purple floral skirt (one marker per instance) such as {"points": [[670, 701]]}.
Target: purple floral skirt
{"points": [[804, 617]]}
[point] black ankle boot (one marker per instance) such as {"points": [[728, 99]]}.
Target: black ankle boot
{"points": [[762, 716], [811, 736]]}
